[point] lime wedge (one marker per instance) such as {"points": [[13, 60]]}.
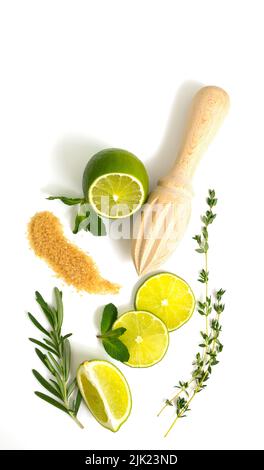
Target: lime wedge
{"points": [[167, 296], [115, 183], [105, 392], [146, 337]]}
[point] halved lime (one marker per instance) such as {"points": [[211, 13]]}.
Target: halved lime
{"points": [[167, 296], [115, 183], [105, 392], [146, 337]]}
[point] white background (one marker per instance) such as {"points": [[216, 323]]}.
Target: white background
{"points": [[77, 76]]}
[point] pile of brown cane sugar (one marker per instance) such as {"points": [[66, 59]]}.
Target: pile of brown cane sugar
{"points": [[75, 267]]}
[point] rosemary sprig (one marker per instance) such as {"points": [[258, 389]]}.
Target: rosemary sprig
{"points": [[57, 359], [210, 346]]}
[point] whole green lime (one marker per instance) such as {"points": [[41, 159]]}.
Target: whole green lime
{"points": [[115, 183]]}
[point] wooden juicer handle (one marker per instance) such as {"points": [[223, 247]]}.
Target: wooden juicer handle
{"points": [[210, 106]]}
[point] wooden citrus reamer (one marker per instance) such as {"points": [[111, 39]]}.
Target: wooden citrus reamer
{"points": [[164, 218]]}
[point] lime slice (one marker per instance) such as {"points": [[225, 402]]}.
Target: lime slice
{"points": [[146, 337], [115, 183], [167, 296], [105, 392], [116, 195]]}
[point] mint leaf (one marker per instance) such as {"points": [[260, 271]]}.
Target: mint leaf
{"points": [[116, 349], [69, 201], [77, 224], [108, 318], [114, 333], [95, 225], [90, 222]]}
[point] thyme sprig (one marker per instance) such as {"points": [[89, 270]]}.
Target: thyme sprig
{"points": [[57, 359], [211, 307]]}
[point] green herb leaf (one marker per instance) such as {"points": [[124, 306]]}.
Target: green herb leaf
{"points": [[45, 383], [56, 386], [66, 336], [45, 308], [69, 201], [78, 221], [57, 366], [116, 349], [43, 345], [71, 387], [52, 345], [44, 359], [116, 333], [78, 401], [168, 402], [58, 297], [37, 324], [61, 384], [51, 401], [90, 222], [108, 318], [96, 226], [67, 358]]}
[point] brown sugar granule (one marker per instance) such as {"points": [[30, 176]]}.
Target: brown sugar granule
{"points": [[75, 267]]}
